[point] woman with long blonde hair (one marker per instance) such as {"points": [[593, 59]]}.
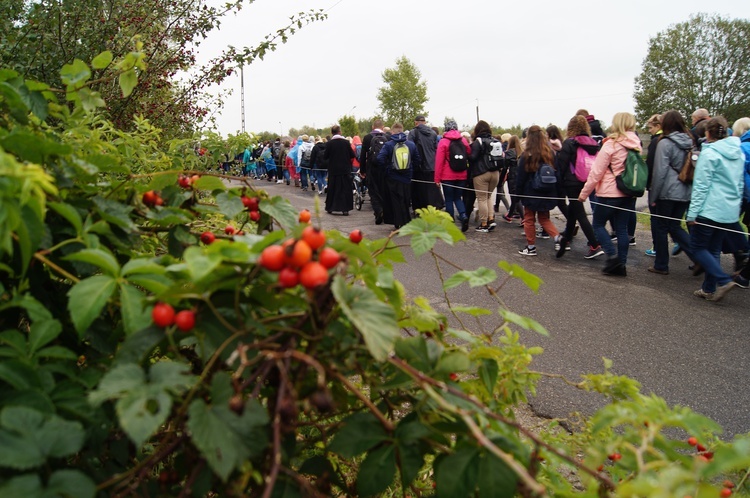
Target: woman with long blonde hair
{"points": [[612, 204]]}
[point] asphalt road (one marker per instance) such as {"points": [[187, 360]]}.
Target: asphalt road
{"points": [[689, 351]]}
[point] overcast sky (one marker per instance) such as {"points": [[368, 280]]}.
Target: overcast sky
{"points": [[522, 62]]}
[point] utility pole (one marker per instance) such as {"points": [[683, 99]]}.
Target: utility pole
{"points": [[477, 109], [242, 96]]}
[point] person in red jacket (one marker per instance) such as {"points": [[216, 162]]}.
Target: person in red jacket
{"points": [[453, 182]]}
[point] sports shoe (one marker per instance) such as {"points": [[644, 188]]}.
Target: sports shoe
{"points": [[594, 252], [708, 296], [613, 236], [632, 241], [658, 271], [464, 223], [507, 218], [561, 245], [676, 249], [722, 291], [613, 267], [482, 229], [528, 251], [541, 233], [279, 182], [650, 252], [492, 224], [742, 282]]}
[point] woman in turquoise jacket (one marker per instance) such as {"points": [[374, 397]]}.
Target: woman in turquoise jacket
{"points": [[715, 205]]}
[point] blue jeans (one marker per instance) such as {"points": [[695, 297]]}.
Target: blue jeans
{"points": [[303, 172], [453, 196], [662, 226], [706, 239], [616, 210], [320, 178]]}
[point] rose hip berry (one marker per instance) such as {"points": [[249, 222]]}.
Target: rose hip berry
{"points": [[288, 277], [255, 216], [356, 236], [208, 238], [185, 320], [313, 275], [305, 216], [314, 237], [272, 258], [163, 315], [328, 257]]}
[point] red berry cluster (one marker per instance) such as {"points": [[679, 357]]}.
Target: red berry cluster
{"points": [[301, 261], [163, 315], [152, 199], [726, 491], [252, 204], [703, 454]]}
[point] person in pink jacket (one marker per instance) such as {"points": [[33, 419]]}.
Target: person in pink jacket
{"points": [[611, 203], [453, 182]]}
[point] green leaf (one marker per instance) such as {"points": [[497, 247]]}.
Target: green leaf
{"points": [[496, 480], [532, 281], [133, 302], [479, 277], [70, 483], [128, 80], [136, 346], [18, 108], [159, 182], [456, 474], [224, 438], [523, 321], [31, 146], [280, 210], [26, 486], [90, 100], [56, 352], [200, 265], [19, 374], [377, 471], [359, 433], [75, 73], [87, 300], [142, 407], [28, 437], [414, 351], [69, 213], [375, 320], [102, 60], [488, 372], [212, 183], [229, 205], [453, 361], [471, 310], [170, 216], [30, 233], [42, 333], [114, 212], [98, 258], [141, 266], [411, 460]]}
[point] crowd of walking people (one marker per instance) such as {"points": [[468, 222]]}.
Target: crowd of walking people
{"points": [[697, 185]]}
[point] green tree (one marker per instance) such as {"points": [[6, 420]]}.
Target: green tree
{"points": [[703, 62], [39, 37], [348, 126], [404, 95]]}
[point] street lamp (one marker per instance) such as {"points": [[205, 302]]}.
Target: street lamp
{"points": [[351, 111], [281, 130]]}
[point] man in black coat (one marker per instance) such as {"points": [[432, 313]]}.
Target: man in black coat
{"points": [[339, 154], [424, 192], [371, 171]]}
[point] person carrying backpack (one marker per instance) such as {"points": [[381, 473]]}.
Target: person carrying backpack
{"points": [[423, 192], [573, 164], [485, 171], [539, 188], [372, 173], [319, 165], [611, 202], [448, 174], [304, 154], [397, 158]]}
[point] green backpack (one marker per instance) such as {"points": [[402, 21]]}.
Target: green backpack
{"points": [[401, 157], [632, 181]]}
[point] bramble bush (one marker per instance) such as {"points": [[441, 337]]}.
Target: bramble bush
{"points": [[168, 333]]}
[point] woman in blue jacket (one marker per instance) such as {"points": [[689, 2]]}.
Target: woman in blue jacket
{"points": [[715, 205]]}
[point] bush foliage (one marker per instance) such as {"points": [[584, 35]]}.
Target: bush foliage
{"points": [[345, 389]]}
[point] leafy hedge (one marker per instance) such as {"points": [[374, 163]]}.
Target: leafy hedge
{"points": [[342, 389]]}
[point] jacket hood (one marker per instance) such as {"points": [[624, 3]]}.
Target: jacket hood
{"points": [[589, 144], [630, 141], [745, 137], [683, 140], [356, 140], [424, 130], [728, 147], [452, 134], [399, 137]]}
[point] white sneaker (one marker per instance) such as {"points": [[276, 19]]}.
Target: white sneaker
{"points": [[528, 251], [279, 181]]}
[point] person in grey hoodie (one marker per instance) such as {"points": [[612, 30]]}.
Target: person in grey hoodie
{"points": [[669, 197]]}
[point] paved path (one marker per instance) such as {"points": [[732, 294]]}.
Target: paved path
{"points": [[689, 351]]}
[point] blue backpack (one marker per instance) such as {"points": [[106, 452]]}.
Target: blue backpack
{"points": [[545, 179]]}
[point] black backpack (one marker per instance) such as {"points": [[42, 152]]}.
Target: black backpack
{"points": [[458, 159], [275, 149], [377, 143]]}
